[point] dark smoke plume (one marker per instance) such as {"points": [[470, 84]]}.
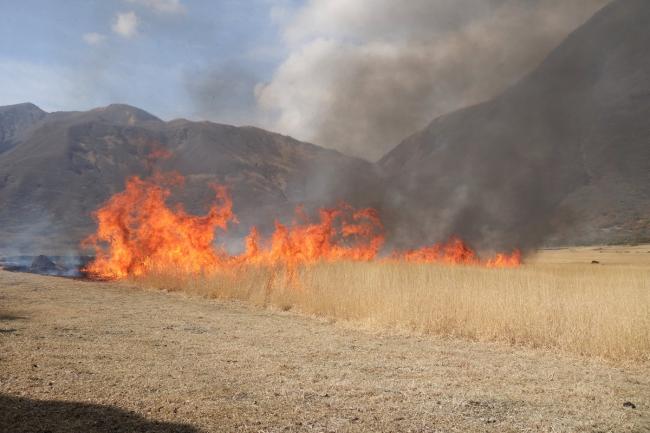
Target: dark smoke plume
{"points": [[363, 75], [560, 157]]}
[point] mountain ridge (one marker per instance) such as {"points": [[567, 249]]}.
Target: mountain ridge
{"points": [[562, 156], [68, 163], [16, 119]]}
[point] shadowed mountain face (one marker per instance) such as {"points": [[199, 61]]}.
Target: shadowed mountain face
{"points": [[561, 157], [68, 163]]}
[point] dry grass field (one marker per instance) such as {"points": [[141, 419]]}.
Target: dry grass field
{"points": [[559, 300], [361, 349]]}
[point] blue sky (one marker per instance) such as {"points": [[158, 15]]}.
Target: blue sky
{"points": [[69, 55]]}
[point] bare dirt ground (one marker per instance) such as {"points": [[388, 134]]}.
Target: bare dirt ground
{"points": [[78, 356]]}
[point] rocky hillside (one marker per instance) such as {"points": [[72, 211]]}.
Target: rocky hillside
{"points": [[61, 167], [16, 120], [563, 156]]}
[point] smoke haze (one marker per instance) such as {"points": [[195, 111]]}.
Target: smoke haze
{"points": [[360, 76], [558, 158], [224, 93]]}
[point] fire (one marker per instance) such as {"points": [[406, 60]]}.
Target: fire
{"points": [[502, 260], [138, 232], [157, 154], [456, 252], [341, 233]]}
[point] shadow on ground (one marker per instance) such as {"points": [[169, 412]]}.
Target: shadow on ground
{"points": [[22, 415], [8, 317]]}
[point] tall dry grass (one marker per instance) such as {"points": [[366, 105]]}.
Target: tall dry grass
{"points": [[601, 311]]}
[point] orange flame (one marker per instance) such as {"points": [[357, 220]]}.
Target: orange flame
{"points": [[501, 260], [138, 232], [158, 154], [342, 233], [456, 252]]}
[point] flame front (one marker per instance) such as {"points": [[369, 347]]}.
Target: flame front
{"points": [[341, 233], [457, 252], [138, 232]]}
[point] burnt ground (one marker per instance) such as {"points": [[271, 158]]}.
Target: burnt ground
{"points": [[53, 265], [99, 357]]}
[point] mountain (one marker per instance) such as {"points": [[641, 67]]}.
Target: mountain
{"points": [[563, 156], [61, 167], [15, 120]]}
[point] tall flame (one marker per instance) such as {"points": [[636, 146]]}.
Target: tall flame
{"points": [[341, 233], [138, 232]]}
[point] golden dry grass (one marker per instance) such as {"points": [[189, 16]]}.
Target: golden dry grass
{"points": [[96, 357], [559, 300]]}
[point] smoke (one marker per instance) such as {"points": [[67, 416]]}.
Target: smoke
{"points": [[546, 161], [224, 93], [360, 76], [34, 229]]}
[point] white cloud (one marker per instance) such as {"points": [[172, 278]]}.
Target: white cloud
{"points": [[93, 38], [162, 6], [126, 24], [362, 75]]}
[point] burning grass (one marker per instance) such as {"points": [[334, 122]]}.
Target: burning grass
{"points": [[601, 311], [138, 231], [332, 266]]}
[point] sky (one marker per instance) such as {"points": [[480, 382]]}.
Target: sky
{"points": [[357, 76], [79, 54]]}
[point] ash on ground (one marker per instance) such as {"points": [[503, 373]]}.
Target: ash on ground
{"points": [[60, 266]]}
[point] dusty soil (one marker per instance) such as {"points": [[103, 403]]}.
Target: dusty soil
{"points": [[93, 357]]}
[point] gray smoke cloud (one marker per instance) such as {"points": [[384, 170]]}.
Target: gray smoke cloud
{"points": [[360, 76], [558, 158], [224, 93]]}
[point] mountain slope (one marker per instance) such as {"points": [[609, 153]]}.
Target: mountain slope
{"points": [[15, 120], [561, 157], [70, 162]]}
